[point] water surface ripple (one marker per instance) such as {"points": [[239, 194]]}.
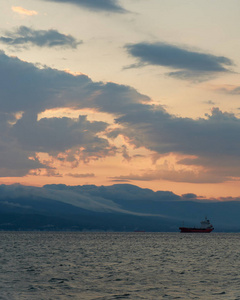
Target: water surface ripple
{"points": [[106, 266]]}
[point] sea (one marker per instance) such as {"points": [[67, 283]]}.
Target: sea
{"points": [[108, 265]]}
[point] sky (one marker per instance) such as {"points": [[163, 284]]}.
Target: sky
{"points": [[99, 92]]}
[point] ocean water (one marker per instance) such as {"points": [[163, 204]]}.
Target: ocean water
{"points": [[104, 266]]}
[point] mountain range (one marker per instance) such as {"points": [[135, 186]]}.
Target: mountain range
{"points": [[120, 207]]}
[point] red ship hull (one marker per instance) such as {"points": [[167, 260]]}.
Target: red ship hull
{"points": [[195, 230]]}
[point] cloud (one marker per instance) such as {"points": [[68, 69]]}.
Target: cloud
{"points": [[165, 133], [68, 140], [193, 76], [174, 176], [31, 88], [212, 142], [77, 175], [58, 134], [125, 153], [48, 172], [27, 90], [209, 102], [189, 196], [14, 161], [228, 89], [175, 173], [188, 64], [25, 36], [119, 180], [95, 5], [23, 11]]}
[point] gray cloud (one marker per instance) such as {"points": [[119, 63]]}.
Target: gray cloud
{"points": [[166, 133], [25, 36], [29, 88], [95, 5], [75, 139], [189, 64], [193, 76], [25, 87], [234, 90], [14, 161], [58, 134], [212, 142]]}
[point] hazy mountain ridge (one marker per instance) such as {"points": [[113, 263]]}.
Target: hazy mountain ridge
{"points": [[120, 207]]}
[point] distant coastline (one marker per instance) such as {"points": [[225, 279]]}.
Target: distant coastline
{"points": [[116, 208]]}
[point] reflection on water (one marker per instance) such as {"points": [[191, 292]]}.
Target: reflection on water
{"points": [[60, 265]]}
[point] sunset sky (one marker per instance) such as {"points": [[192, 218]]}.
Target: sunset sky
{"points": [[145, 92]]}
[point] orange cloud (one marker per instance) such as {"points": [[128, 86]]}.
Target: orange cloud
{"points": [[23, 11]]}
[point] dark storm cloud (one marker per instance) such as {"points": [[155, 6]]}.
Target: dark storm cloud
{"points": [[25, 36], [95, 5], [188, 64]]}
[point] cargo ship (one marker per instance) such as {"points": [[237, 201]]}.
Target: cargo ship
{"points": [[206, 227]]}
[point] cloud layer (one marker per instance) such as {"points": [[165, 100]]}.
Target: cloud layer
{"points": [[210, 144], [26, 91], [187, 63], [25, 37]]}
